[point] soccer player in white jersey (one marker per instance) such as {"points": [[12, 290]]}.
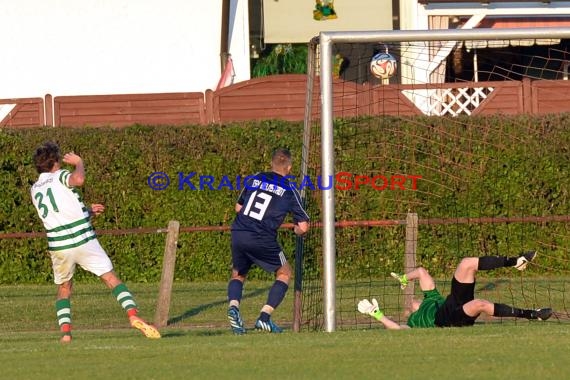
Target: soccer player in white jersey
{"points": [[71, 238]]}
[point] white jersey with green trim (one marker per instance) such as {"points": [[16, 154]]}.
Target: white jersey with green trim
{"points": [[61, 209]]}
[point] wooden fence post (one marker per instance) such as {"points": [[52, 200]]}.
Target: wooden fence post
{"points": [[410, 256], [48, 110], [167, 277]]}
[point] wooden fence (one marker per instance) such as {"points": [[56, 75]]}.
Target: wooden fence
{"points": [[23, 112], [283, 97]]}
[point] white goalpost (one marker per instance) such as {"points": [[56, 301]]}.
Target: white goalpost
{"points": [[326, 44]]}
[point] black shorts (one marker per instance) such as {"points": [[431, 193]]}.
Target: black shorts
{"points": [[451, 313], [249, 249]]}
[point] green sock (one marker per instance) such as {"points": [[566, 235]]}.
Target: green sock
{"points": [[125, 299], [63, 312]]}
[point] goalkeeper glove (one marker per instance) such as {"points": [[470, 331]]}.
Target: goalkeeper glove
{"points": [[371, 309], [402, 279]]}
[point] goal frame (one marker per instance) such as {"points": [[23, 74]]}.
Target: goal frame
{"points": [[326, 41]]}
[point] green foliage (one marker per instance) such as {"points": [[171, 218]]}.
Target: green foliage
{"points": [[118, 163], [472, 167], [281, 59]]}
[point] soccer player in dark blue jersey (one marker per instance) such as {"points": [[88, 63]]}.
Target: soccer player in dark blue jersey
{"points": [[261, 208]]}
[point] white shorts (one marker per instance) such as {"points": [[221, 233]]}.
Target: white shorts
{"points": [[90, 256]]}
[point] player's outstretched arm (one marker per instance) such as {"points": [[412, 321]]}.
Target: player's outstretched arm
{"points": [[372, 309], [77, 177]]}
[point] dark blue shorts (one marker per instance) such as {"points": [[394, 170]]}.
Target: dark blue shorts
{"points": [[249, 249]]}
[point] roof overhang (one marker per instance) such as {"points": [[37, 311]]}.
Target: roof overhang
{"points": [[501, 15], [503, 8]]}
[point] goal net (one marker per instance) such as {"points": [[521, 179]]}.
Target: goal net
{"points": [[453, 143]]}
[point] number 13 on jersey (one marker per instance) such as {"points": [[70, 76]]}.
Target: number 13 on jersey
{"points": [[257, 205]]}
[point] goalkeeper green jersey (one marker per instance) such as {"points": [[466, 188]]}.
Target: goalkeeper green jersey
{"points": [[425, 315]]}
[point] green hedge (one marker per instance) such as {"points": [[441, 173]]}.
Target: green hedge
{"points": [[486, 166], [118, 163], [473, 167]]}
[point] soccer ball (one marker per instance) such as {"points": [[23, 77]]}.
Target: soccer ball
{"points": [[383, 65]]}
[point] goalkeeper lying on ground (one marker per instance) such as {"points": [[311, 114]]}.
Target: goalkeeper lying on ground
{"points": [[460, 308]]}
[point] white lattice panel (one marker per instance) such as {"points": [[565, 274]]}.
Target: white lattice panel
{"points": [[448, 101]]}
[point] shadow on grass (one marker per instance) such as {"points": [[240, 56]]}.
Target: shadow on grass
{"points": [[173, 334], [197, 310]]}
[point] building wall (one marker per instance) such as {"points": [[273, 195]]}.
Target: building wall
{"points": [[88, 47], [291, 21]]}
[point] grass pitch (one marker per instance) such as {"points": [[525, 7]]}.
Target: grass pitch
{"points": [[199, 345]]}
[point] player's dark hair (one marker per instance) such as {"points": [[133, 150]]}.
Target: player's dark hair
{"points": [[281, 158], [46, 156]]}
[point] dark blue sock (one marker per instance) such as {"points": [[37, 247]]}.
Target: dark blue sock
{"points": [[264, 317], [235, 289], [277, 293]]}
